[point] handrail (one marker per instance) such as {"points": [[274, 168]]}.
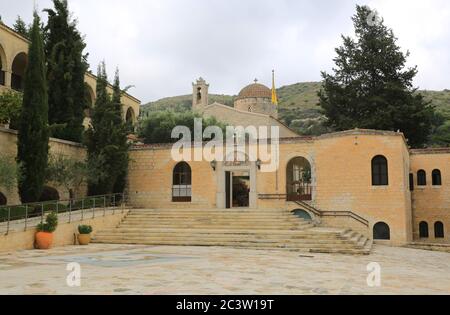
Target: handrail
{"points": [[85, 206], [320, 213]]}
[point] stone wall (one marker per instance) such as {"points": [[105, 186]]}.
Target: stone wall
{"points": [[65, 234], [341, 171], [431, 203], [8, 147]]}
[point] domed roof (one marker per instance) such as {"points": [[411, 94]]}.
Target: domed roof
{"points": [[255, 90]]}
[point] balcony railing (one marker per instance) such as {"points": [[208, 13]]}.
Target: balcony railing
{"points": [[299, 191]]}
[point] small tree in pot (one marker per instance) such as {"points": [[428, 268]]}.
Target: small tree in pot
{"points": [[44, 235], [84, 238]]}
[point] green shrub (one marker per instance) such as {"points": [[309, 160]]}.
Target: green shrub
{"points": [[85, 229], [51, 222]]}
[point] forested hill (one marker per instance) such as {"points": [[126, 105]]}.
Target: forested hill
{"points": [[298, 105]]}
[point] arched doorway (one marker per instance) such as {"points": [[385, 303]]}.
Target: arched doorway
{"points": [[3, 200], [49, 194], [302, 214], [18, 71], [381, 231], [298, 179], [182, 183]]}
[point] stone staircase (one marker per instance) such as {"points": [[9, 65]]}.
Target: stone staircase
{"points": [[256, 229]]}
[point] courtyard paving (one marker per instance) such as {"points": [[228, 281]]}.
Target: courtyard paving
{"points": [[119, 269]]}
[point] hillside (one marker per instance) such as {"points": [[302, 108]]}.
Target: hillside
{"points": [[298, 105]]}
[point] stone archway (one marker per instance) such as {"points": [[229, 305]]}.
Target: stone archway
{"points": [[19, 66], [3, 66], [130, 116], [89, 97], [298, 179], [49, 194]]}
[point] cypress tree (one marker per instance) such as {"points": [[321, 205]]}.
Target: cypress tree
{"points": [[106, 140], [371, 88], [32, 151], [120, 138], [66, 69]]}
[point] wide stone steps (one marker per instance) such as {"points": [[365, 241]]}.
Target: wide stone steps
{"points": [[266, 229]]}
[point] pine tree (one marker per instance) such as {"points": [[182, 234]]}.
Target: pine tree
{"points": [[20, 27], [106, 140], [371, 88], [66, 69], [32, 151]]}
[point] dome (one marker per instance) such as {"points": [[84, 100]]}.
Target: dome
{"points": [[255, 90]]}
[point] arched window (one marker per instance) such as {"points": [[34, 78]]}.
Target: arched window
{"points": [[182, 183], [437, 179], [439, 230], [381, 231], [3, 200], [298, 179], [421, 178], [130, 116], [302, 214], [423, 229], [380, 171]]}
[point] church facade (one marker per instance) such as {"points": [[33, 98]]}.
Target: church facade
{"points": [[366, 180]]}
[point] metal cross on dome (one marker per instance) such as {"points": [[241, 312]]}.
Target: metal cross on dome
{"points": [[256, 80]]}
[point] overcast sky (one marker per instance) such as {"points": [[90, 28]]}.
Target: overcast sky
{"points": [[161, 46]]}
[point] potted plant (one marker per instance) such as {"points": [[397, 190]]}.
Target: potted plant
{"points": [[84, 238], [44, 234]]}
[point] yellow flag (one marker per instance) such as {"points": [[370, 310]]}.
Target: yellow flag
{"points": [[274, 90]]}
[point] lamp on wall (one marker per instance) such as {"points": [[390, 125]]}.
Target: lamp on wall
{"points": [[258, 164], [213, 164]]}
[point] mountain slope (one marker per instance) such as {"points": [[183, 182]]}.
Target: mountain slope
{"points": [[298, 105]]}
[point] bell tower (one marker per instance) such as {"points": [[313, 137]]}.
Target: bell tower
{"points": [[199, 94]]}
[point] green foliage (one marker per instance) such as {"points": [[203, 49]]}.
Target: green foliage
{"points": [[157, 127], [66, 69], [106, 140], [85, 229], [33, 136], [67, 172], [441, 137], [50, 224], [181, 103], [21, 28], [371, 88], [8, 172], [10, 108]]}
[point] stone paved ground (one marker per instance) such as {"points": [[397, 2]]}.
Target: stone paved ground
{"points": [[119, 269]]}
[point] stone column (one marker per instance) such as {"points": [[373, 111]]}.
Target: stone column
{"points": [[221, 192], [253, 202]]}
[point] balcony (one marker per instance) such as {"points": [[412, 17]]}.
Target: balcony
{"points": [[299, 191]]}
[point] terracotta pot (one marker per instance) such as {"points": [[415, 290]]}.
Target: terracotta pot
{"points": [[44, 240], [84, 239]]}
